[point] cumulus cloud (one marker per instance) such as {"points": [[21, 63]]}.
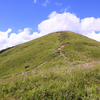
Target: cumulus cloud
{"points": [[52, 14], [46, 2], [16, 39], [90, 24], [93, 35], [55, 22], [67, 21], [59, 22], [4, 37]]}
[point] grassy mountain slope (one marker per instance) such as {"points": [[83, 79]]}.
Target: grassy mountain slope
{"points": [[32, 53], [72, 74]]}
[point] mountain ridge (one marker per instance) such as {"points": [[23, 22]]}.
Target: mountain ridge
{"points": [[72, 46], [62, 65]]}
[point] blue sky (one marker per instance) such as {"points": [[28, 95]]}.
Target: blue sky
{"points": [[23, 18]]}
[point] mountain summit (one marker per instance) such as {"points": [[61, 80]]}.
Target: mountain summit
{"points": [[55, 66]]}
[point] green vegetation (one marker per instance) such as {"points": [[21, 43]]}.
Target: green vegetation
{"points": [[75, 77], [32, 53]]}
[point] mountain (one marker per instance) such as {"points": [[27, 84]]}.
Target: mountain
{"points": [[61, 65]]}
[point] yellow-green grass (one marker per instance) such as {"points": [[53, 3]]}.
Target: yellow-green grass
{"points": [[75, 82], [75, 77], [33, 53]]}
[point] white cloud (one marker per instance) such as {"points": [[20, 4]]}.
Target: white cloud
{"points": [[35, 1], [16, 39], [93, 35], [4, 37], [52, 14], [58, 4], [90, 24], [19, 30], [59, 22], [67, 21], [46, 2], [55, 22]]}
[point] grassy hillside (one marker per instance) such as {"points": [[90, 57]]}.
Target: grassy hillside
{"points": [[62, 66], [33, 53]]}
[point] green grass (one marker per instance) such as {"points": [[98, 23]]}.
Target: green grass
{"points": [[56, 83], [76, 77], [32, 53], [78, 47]]}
